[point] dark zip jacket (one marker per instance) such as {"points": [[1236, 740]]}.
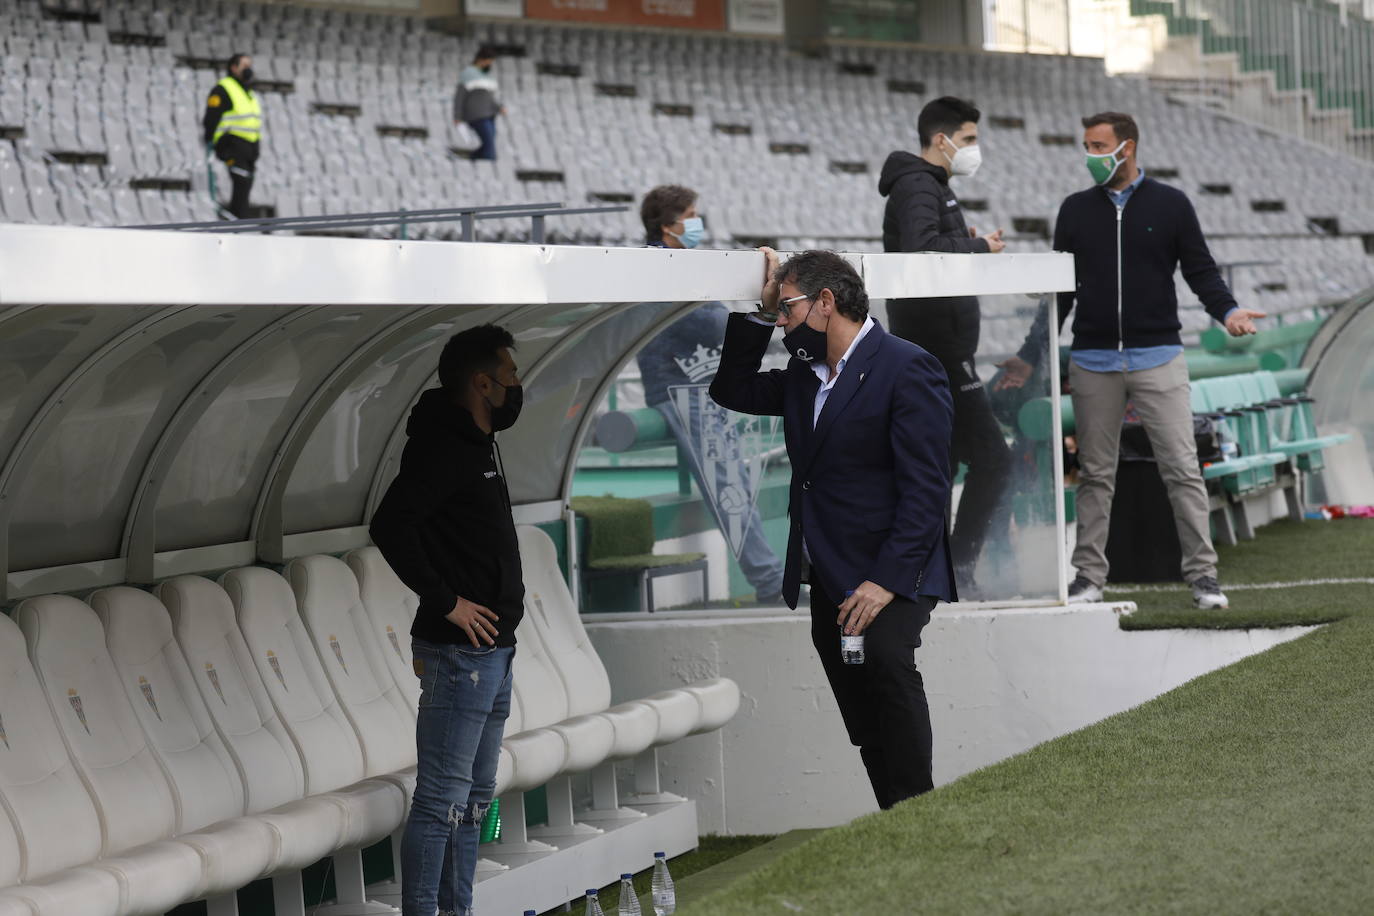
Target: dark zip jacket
{"points": [[922, 214], [445, 524], [1125, 295]]}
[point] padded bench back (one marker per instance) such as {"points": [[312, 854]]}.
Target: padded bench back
{"points": [[233, 691], [286, 661], [138, 632], [390, 611], [327, 595], [47, 819], [552, 609], [102, 732]]}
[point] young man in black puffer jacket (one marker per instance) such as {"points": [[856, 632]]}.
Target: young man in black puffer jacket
{"points": [[923, 214]]}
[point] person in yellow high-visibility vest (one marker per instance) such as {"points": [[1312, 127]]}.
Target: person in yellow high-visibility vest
{"points": [[233, 129]]}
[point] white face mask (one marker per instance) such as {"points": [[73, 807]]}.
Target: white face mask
{"points": [[965, 161]]}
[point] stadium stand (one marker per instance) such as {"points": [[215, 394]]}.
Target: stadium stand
{"points": [[103, 111], [202, 736]]}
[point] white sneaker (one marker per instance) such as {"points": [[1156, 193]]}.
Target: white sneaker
{"points": [[1081, 591], [1207, 594]]}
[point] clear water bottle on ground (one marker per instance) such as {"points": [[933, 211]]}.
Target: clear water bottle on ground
{"points": [[851, 647], [665, 898], [593, 907], [629, 900]]}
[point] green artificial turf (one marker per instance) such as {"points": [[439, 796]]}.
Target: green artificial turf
{"points": [[1247, 790], [1286, 554]]}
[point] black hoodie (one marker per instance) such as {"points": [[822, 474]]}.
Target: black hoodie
{"points": [[922, 214], [445, 524]]}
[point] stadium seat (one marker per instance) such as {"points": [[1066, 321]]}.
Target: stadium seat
{"points": [[344, 637], [682, 711], [137, 807], [49, 827], [331, 757], [390, 611]]}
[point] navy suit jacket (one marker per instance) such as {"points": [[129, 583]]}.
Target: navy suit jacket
{"points": [[871, 482]]}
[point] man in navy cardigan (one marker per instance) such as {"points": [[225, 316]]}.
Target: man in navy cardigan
{"points": [[867, 418], [1128, 235]]}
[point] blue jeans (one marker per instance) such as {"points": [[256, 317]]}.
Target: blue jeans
{"points": [[464, 701], [485, 128], [758, 562]]}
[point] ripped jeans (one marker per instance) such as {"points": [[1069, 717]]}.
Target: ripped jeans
{"points": [[464, 701]]}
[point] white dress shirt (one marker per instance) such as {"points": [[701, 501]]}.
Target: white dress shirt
{"points": [[828, 381]]}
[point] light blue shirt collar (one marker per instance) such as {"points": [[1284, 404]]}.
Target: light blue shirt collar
{"points": [[1120, 197]]}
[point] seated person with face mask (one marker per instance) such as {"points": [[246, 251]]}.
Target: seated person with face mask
{"points": [[669, 214]]}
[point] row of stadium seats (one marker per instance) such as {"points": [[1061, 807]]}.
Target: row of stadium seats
{"points": [[175, 745], [594, 118]]}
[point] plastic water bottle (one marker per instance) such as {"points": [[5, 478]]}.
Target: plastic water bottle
{"points": [[1228, 449], [665, 898], [593, 907], [531, 913], [851, 647], [629, 900]]}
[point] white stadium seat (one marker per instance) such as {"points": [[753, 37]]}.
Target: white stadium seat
{"points": [[333, 613], [106, 742], [49, 826], [305, 704], [206, 786], [681, 711], [390, 610]]}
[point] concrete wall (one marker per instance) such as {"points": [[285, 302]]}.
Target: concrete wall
{"points": [[999, 682]]}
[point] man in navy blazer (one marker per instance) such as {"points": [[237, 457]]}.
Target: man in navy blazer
{"points": [[867, 418]]}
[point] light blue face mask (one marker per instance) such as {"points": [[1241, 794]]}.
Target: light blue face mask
{"points": [[693, 230]]}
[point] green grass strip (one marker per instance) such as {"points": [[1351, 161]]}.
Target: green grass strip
{"points": [[1284, 552], [1246, 790]]}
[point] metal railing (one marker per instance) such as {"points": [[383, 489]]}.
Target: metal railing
{"points": [[466, 217]]}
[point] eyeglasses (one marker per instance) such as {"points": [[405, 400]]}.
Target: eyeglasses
{"points": [[785, 305]]}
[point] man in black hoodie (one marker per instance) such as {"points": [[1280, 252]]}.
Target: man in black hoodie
{"points": [[923, 214], [445, 526]]}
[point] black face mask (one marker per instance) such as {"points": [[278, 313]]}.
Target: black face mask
{"points": [[245, 76], [805, 342], [504, 417]]}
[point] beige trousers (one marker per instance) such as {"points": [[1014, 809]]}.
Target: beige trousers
{"points": [[1162, 399]]}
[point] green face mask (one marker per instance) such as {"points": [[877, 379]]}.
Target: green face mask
{"points": [[1103, 166]]}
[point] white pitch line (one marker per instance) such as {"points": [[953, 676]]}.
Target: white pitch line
{"points": [[1238, 586]]}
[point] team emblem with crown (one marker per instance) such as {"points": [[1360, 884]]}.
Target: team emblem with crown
{"points": [[276, 669], [74, 698], [213, 675], [733, 449], [338, 651], [147, 689]]}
